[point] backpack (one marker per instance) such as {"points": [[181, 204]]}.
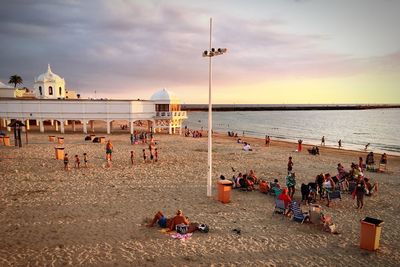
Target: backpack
{"points": [[202, 227], [182, 228]]}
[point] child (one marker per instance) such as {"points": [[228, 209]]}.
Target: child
{"points": [[290, 165], [144, 155], [131, 157], [85, 160], [77, 162], [151, 154], [359, 193], [156, 155], [66, 161]]}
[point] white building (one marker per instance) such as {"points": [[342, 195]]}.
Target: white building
{"points": [[51, 107], [49, 85]]}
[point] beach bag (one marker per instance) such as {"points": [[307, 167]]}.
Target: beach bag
{"points": [[182, 228], [202, 227]]}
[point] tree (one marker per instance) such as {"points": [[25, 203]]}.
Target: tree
{"points": [[15, 79]]}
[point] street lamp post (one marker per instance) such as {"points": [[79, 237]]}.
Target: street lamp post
{"points": [[210, 53]]}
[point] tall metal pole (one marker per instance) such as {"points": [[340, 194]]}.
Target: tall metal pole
{"points": [[209, 180]]}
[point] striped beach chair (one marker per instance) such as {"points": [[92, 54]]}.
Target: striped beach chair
{"points": [[298, 214]]}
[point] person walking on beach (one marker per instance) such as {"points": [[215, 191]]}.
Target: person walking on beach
{"points": [[85, 159], [132, 139], [299, 146], [155, 155], [291, 183], [323, 141], [340, 143], [366, 147], [66, 161], [109, 150], [144, 155], [290, 165], [77, 162], [132, 158]]}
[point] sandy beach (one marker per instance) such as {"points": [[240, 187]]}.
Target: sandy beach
{"points": [[96, 216]]}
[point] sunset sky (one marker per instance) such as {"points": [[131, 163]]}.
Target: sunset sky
{"points": [[283, 51]]}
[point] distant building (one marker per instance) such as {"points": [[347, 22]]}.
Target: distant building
{"points": [[53, 105], [6, 90], [49, 86], [24, 93]]}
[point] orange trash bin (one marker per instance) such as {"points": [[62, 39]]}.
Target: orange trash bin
{"points": [[224, 191], [6, 140], [51, 138], [60, 140], [370, 233], [59, 153]]}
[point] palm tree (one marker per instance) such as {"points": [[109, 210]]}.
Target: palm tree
{"points": [[15, 79]]}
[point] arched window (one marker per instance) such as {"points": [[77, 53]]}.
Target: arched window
{"points": [[59, 91], [50, 90], [40, 90]]}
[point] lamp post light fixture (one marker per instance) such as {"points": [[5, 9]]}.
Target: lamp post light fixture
{"points": [[210, 53]]}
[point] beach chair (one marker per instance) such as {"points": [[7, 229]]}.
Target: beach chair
{"points": [[279, 207], [298, 214], [382, 167]]}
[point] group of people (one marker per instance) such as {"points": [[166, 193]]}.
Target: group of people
{"points": [[232, 134], [140, 137], [77, 161], [246, 181], [193, 133]]}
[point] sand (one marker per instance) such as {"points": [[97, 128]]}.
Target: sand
{"points": [[95, 216]]}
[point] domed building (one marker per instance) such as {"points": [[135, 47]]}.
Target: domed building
{"points": [[168, 111], [49, 85]]}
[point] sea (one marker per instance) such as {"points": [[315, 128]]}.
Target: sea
{"points": [[356, 128]]}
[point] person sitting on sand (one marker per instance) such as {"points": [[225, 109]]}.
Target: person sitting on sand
{"points": [[252, 176], [370, 188], [247, 147], [170, 224], [275, 184], [249, 183], [369, 161], [285, 197], [383, 162], [239, 181]]}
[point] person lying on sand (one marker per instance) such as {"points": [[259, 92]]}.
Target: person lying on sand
{"points": [[170, 224]]}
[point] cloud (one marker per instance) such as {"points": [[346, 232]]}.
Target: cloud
{"points": [[137, 46]]}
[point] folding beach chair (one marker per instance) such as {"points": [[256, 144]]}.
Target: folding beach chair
{"points": [[298, 214], [279, 207]]}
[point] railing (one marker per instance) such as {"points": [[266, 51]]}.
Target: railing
{"points": [[170, 114]]}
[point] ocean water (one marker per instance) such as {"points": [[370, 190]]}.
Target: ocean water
{"points": [[356, 128]]}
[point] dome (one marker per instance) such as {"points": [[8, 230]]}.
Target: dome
{"points": [[164, 95], [48, 76]]}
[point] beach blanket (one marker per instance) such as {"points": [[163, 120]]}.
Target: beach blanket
{"points": [[182, 237]]}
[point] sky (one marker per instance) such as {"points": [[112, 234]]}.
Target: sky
{"points": [[279, 52]]}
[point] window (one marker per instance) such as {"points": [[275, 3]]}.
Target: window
{"points": [[40, 90], [59, 91], [50, 90]]}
